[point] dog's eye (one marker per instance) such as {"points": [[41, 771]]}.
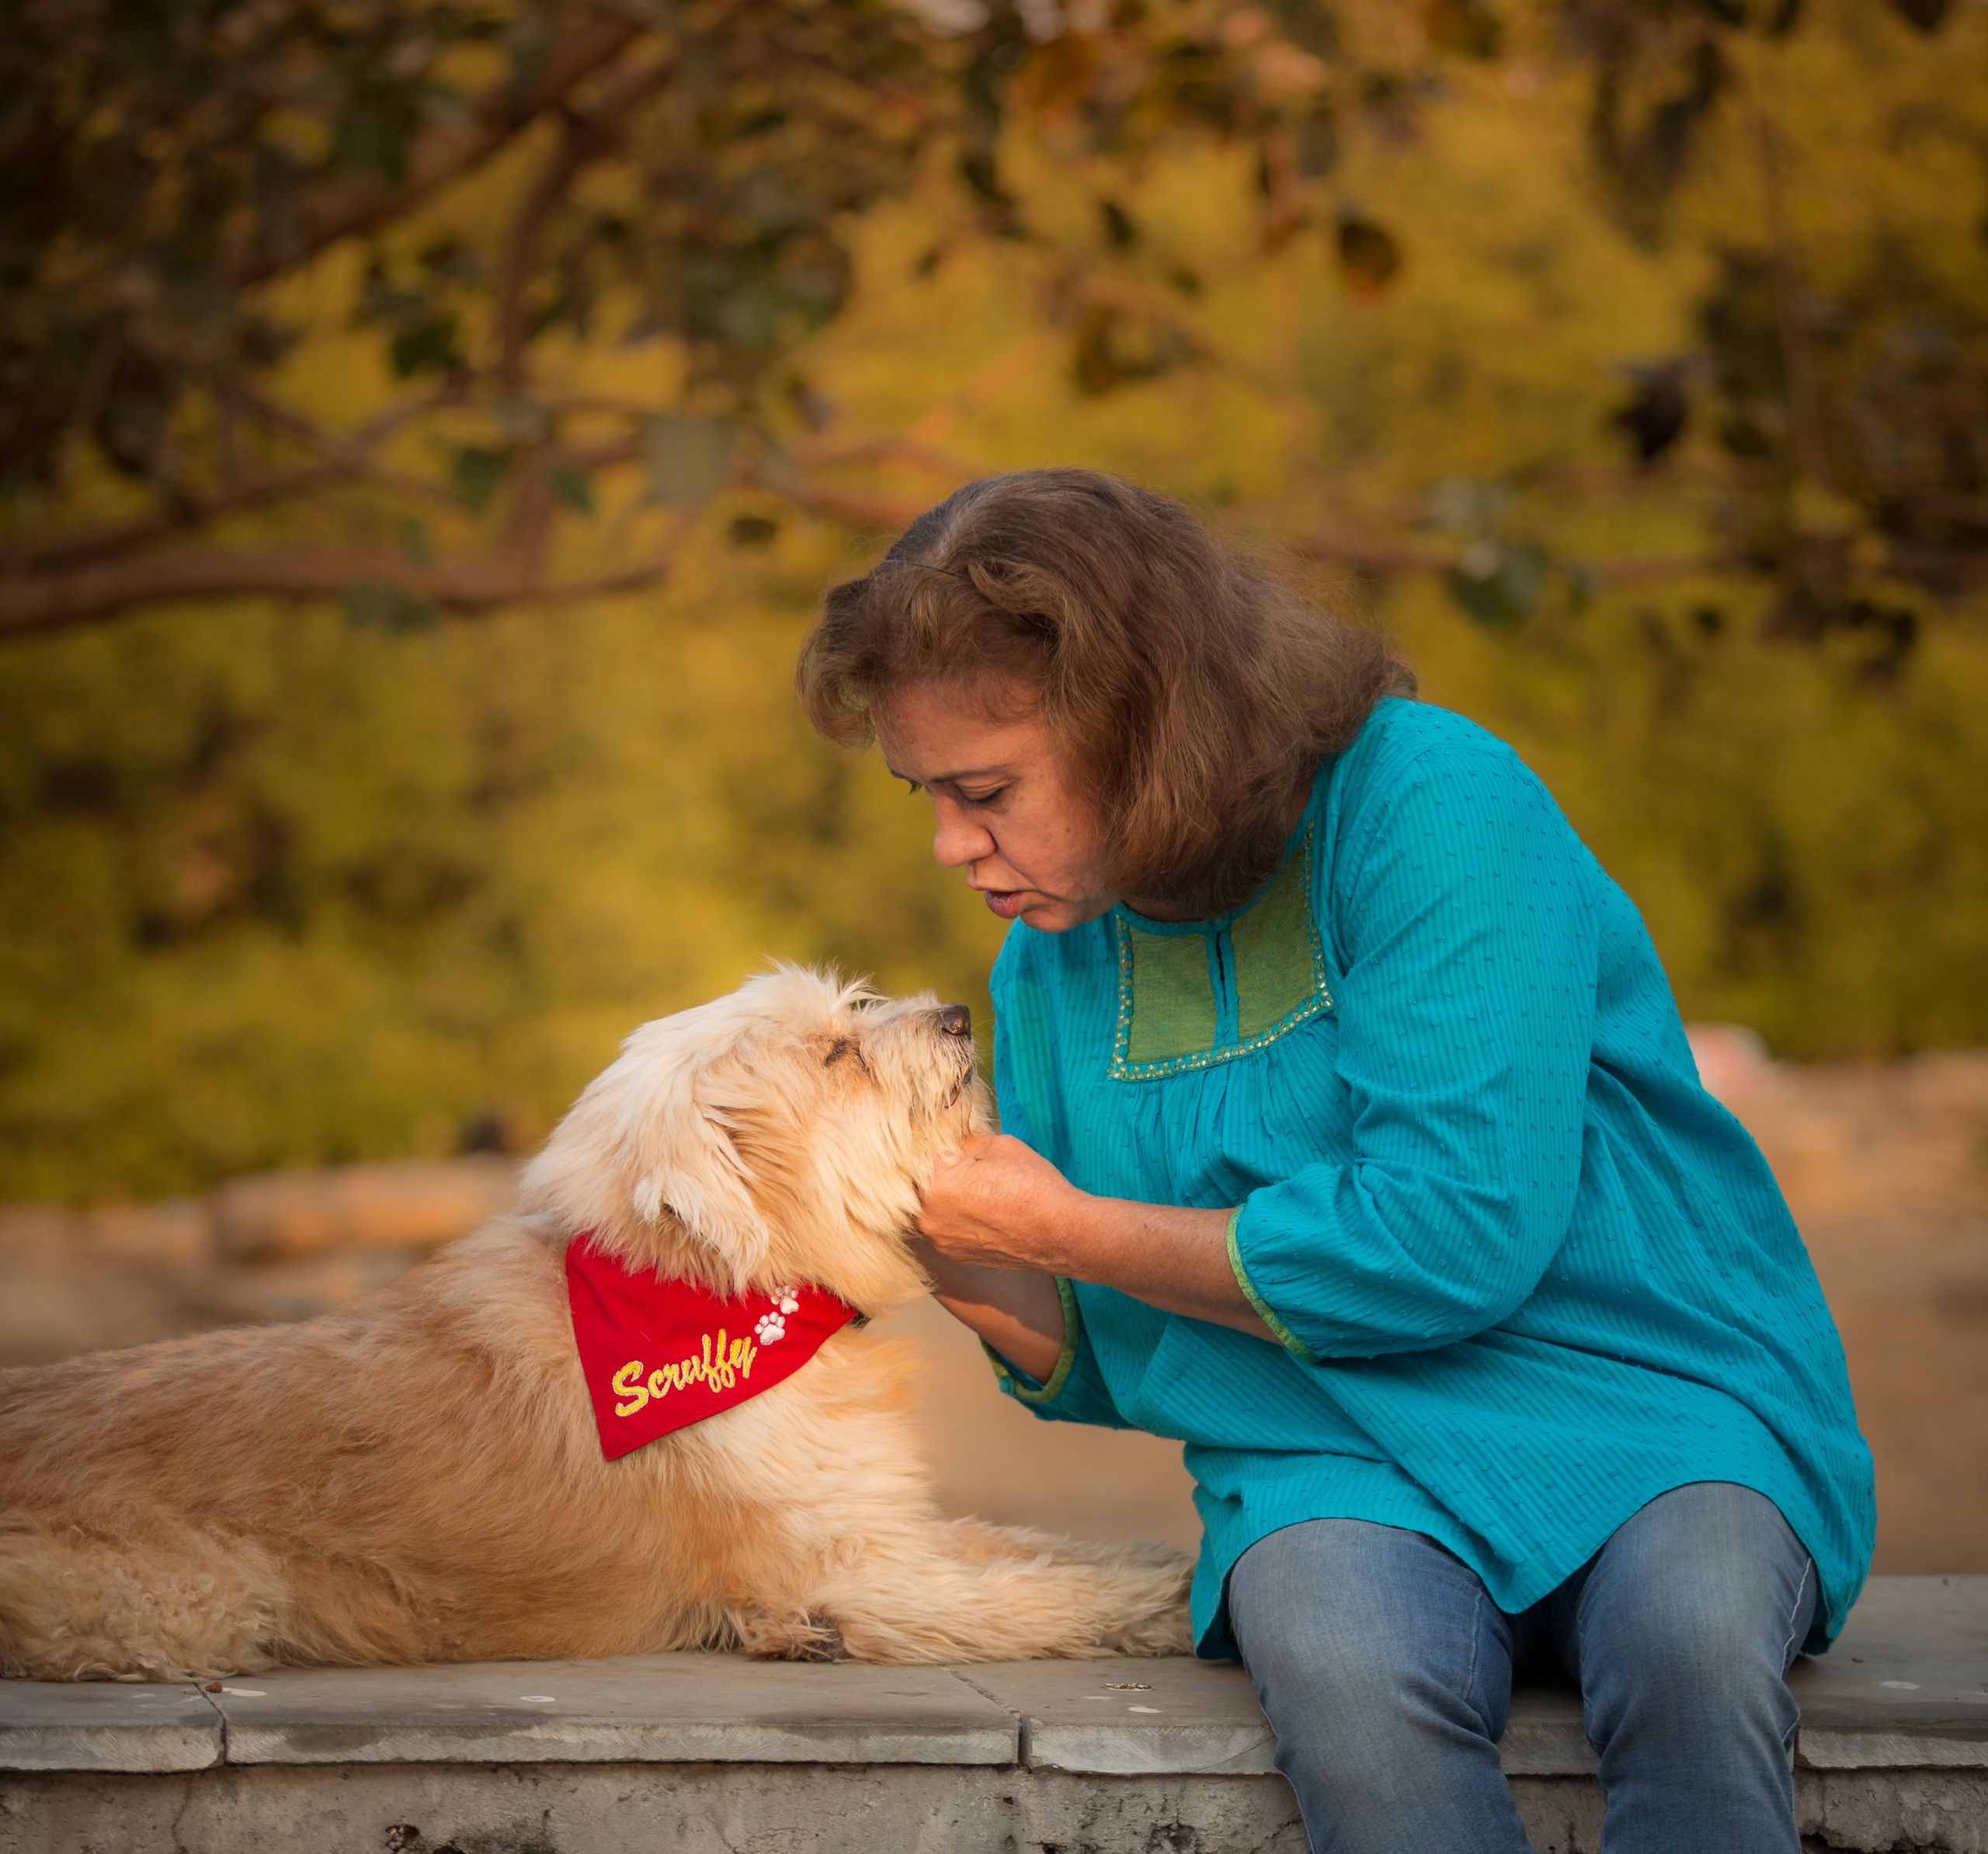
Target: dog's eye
{"points": [[849, 1046]]}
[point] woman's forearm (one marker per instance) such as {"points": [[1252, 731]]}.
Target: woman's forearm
{"points": [[998, 1223], [1017, 1311], [1166, 1256]]}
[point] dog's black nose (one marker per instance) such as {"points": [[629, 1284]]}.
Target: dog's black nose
{"points": [[956, 1020]]}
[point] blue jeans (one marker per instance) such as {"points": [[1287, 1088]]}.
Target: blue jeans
{"points": [[1385, 1671]]}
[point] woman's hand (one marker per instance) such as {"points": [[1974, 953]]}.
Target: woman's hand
{"points": [[998, 1204], [986, 1229]]}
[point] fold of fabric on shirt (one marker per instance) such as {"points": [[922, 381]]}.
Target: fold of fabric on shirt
{"points": [[1524, 1272]]}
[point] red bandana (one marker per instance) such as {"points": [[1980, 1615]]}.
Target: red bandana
{"points": [[660, 1355]]}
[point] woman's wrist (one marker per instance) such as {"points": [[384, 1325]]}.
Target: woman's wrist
{"points": [[1060, 1234], [1017, 1311]]}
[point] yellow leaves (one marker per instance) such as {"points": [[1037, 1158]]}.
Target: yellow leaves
{"points": [[1468, 27], [1369, 258], [1279, 72], [1283, 74], [1058, 74]]}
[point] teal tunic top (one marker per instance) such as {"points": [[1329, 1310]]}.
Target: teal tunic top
{"points": [[1524, 1273]]}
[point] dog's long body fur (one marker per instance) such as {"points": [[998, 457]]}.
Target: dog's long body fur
{"points": [[419, 1478]]}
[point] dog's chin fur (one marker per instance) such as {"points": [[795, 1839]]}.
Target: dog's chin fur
{"points": [[418, 1477]]}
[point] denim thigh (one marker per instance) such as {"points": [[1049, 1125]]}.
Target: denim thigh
{"points": [[1680, 1631], [1385, 1671]]}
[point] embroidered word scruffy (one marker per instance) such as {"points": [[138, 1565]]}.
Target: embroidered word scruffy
{"points": [[659, 1355]]}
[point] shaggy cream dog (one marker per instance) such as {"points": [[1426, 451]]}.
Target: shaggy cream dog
{"points": [[420, 1478]]}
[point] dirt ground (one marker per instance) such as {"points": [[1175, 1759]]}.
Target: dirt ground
{"points": [[1885, 1166]]}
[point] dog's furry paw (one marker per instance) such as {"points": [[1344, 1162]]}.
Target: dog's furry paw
{"points": [[810, 1637]]}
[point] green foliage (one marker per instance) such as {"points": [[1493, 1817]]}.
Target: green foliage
{"points": [[284, 892], [686, 458], [1688, 506], [178, 191]]}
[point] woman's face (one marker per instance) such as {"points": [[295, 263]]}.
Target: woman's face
{"points": [[1005, 813]]}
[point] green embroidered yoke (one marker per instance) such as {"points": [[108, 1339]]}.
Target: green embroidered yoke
{"points": [[1524, 1272]]}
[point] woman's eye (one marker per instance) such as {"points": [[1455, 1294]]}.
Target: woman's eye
{"points": [[913, 788], [983, 798]]}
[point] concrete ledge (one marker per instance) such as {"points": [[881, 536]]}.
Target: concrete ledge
{"points": [[1906, 1685], [104, 1725], [696, 1751], [661, 1709]]}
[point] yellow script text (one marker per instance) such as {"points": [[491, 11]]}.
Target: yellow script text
{"points": [[721, 1364]]}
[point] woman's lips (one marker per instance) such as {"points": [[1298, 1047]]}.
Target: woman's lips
{"points": [[1005, 902]]}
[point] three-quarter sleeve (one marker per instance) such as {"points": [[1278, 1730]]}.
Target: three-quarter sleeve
{"points": [[1466, 1016], [1074, 1391]]}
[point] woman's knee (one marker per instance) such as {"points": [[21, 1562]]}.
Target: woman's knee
{"points": [[1705, 1666], [1385, 1671], [1367, 1635], [1692, 1626], [1707, 1580]]}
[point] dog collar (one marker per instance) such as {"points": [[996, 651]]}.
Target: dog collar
{"points": [[659, 1355]]}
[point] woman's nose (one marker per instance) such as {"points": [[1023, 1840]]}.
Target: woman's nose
{"points": [[957, 841]]}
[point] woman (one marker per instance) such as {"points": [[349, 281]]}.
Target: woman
{"points": [[1351, 1137]]}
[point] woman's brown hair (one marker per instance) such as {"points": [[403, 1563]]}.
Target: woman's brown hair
{"points": [[1191, 684]]}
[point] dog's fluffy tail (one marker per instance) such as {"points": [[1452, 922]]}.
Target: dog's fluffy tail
{"points": [[79, 1606]]}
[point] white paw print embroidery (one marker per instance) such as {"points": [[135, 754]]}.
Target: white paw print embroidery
{"points": [[772, 1326]]}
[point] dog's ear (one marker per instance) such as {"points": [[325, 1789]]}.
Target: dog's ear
{"points": [[690, 1173], [645, 1156]]}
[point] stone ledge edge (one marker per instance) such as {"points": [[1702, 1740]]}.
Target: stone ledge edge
{"points": [[1024, 1740]]}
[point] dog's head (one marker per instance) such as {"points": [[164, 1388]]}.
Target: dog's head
{"points": [[779, 1134]]}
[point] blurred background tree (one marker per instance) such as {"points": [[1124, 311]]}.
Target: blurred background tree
{"points": [[425, 429]]}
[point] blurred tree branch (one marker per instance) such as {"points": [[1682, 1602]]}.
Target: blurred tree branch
{"points": [[508, 176], [355, 208], [585, 138]]}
